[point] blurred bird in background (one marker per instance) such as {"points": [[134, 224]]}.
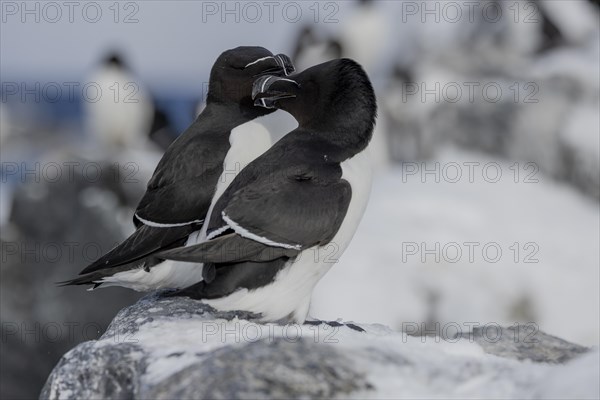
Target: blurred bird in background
{"points": [[121, 115], [121, 112]]}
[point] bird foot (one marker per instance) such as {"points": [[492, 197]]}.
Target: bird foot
{"points": [[334, 324]]}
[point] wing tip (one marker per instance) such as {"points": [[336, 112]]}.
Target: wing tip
{"points": [[92, 268], [79, 281]]}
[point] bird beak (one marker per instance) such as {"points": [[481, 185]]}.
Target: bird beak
{"points": [[268, 89], [284, 66], [285, 63]]}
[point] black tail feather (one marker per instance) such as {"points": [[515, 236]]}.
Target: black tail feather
{"points": [[88, 279], [143, 242]]}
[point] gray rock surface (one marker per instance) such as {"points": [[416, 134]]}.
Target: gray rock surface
{"points": [[264, 370], [164, 348], [108, 372], [524, 342], [56, 229]]}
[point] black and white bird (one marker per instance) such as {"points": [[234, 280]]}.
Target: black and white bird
{"points": [[194, 172], [290, 214], [118, 108]]}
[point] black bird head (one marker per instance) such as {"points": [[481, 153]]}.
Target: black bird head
{"points": [[235, 70], [114, 59], [334, 99]]}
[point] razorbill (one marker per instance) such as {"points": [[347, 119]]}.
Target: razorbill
{"points": [[289, 215], [118, 108], [199, 164]]}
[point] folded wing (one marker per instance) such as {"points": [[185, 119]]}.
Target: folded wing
{"points": [[278, 214]]}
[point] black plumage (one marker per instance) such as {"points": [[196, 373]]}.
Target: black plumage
{"points": [[293, 197], [180, 191]]}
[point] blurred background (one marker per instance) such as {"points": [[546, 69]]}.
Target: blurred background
{"points": [[485, 203]]}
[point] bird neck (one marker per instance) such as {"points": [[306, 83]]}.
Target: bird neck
{"points": [[349, 136], [234, 114], [337, 146]]}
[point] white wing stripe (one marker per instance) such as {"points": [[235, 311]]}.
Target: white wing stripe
{"points": [[217, 232], [249, 235], [159, 225]]}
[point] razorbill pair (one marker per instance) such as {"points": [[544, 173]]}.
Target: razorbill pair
{"points": [[287, 217], [229, 133]]}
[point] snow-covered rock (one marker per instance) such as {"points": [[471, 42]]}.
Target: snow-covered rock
{"points": [[163, 348]]}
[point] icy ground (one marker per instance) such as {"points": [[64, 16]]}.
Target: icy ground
{"points": [[387, 275], [177, 348]]}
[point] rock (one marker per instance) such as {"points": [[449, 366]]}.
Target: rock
{"points": [[164, 348], [56, 229], [277, 369], [103, 372], [524, 342]]}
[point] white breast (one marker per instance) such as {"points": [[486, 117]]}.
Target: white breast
{"points": [[248, 142], [119, 110], [288, 297], [357, 171]]}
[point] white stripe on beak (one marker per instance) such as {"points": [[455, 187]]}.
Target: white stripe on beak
{"points": [[259, 60]]}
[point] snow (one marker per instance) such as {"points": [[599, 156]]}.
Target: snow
{"points": [[577, 20], [397, 365], [582, 133], [379, 279]]}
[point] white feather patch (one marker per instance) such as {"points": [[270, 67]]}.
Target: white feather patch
{"points": [[159, 225], [166, 275], [257, 61], [243, 232], [217, 232]]}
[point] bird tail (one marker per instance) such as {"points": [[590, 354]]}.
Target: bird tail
{"points": [[96, 278], [88, 279], [145, 241]]}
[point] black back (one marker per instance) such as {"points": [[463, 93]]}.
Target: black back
{"points": [[190, 168], [292, 197], [183, 184]]}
